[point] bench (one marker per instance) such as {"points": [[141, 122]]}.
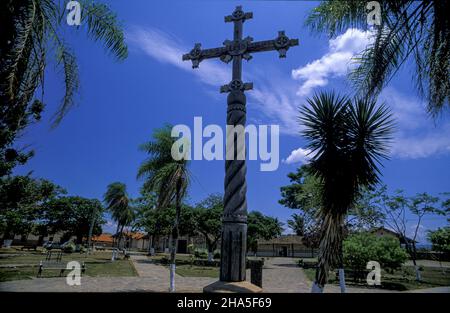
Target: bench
{"points": [[53, 261], [29, 247], [353, 275]]}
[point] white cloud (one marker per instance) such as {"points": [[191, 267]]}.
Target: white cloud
{"points": [[275, 98], [336, 62], [166, 48], [416, 135], [299, 155], [278, 97]]}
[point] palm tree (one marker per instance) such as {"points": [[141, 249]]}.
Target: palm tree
{"points": [[348, 140], [118, 203], [31, 33], [297, 224], [417, 31], [168, 177]]}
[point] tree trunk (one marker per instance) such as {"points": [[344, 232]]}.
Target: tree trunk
{"points": [[210, 252], [175, 237], [151, 249], [416, 267], [341, 268], [329, 249], [116, 245]]}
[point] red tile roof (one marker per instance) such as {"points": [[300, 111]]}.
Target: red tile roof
{"points": [[103, 238]]}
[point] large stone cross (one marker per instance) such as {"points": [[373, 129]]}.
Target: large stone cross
{"points": [[234, 229]]}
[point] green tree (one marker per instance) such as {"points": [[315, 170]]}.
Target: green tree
{"points": [[144, 217], [348, 139], [22, 203], [31, 33], [361, 248], [168, 178], [118, 203], [297, 224], [440, 239], [73, 216], [410, 31], [303, 194], [421, 205], [209, 221], [260, 226], [395, 209]]}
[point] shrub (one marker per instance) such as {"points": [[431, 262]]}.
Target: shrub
{"points": [[69, 247], [201, 253], [216, 254], [361, 248], [190, 248]]}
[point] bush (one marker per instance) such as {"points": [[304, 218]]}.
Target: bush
{"points": [[361, 248], [216, 254], [201, 253], [190, 248], [69, 247]]}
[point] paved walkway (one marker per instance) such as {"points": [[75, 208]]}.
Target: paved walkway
{"points": [[280, 275]]}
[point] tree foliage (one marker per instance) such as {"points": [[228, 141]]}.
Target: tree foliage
{"points": [[440, 239], [361, 248], [31, 33], [23, 200], [410, 31], [73, 216], [260, 226], [208, 216]]}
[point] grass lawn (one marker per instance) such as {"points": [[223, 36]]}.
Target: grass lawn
{"points": [[197, 271], [402, 280], [98, 264], [186, 269]]}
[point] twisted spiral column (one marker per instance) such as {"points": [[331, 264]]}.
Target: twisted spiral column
{"points": [[234, 228]]}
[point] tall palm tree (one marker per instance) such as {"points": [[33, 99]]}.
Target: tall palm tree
{"points": [[168, 177], [31, 37], [417, 31], [297, 224], [348, 140], [118, 203]]}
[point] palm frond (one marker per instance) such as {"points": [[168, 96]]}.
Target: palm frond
{"points": [[167, 177], [21, 48], [68, 61], [103, 26], [408, 29]]}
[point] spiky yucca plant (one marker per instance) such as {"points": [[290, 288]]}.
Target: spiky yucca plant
{"points": [[348, 139]]}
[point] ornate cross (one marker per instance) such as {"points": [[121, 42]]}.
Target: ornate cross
{"points": [[237, 49], [234, 230]]}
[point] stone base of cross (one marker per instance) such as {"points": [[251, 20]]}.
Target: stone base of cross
{"points": [[234, 227]]}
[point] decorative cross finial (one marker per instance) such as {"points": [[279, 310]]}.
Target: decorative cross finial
{"points": [[239, 48], [238, 15]]}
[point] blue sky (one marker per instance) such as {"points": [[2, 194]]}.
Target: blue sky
{"points": [[120, 103]]}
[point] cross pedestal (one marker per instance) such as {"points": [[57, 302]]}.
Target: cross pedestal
{"points": [[234, 227]]}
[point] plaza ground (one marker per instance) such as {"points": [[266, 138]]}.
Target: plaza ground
{"points": [[144, 274]]}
